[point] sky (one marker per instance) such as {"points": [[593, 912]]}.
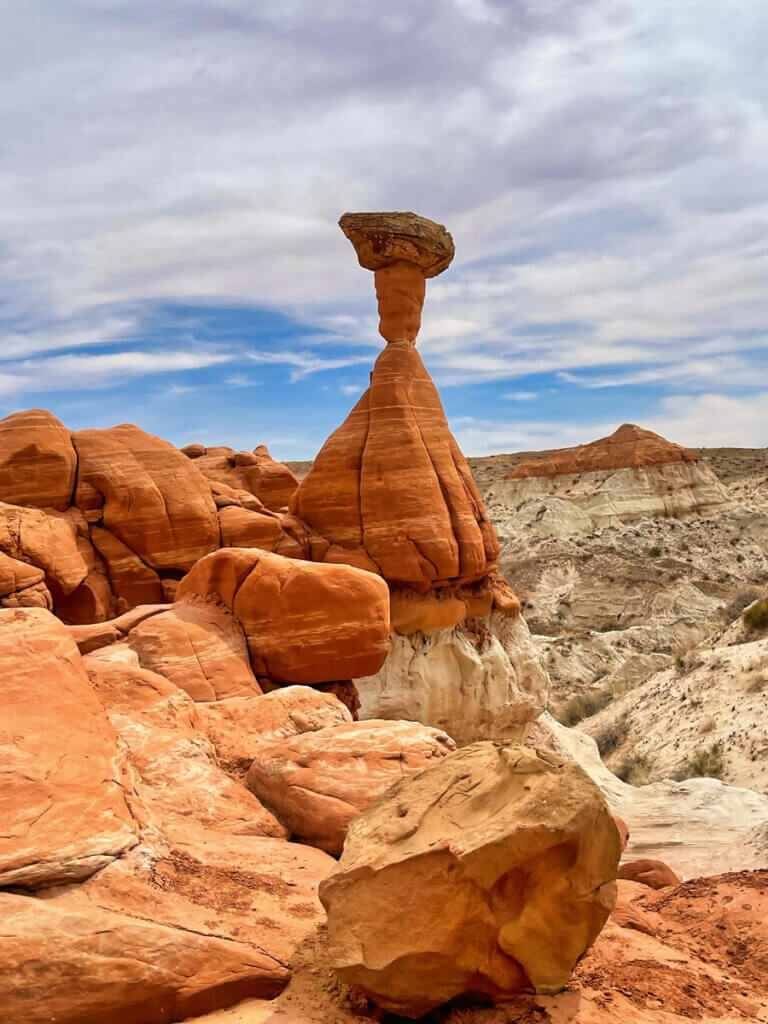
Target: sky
{"points": [[172, 174]]}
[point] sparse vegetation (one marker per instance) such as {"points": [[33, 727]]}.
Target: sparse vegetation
{"points": [[654, 552], [757, 685], [612, 736], [582, 706], [706, 762], [636, 770], [707, 725], [756, 616], [739, 602]]}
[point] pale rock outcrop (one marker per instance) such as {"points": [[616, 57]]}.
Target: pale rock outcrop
{"points": [[303, 622], [62, 777], [200, 647], [238, 725], [487, 874], [318, 782], [176, 774], [697, 827], [482, 679], [37, 460]]}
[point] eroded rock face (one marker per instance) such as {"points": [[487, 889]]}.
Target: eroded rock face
{"points": [[303, 623], [149, 495], [239, 725], [317, 782], [482, 679], [66, 961], [390, 489], [255, 472], [488, 874], [62, 777], [176, 774], [200, 647], [37, 460]]}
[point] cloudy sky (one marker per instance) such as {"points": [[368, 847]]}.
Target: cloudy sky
{"points": [[172, 173]]}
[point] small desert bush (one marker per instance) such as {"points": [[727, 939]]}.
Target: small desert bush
{"points": [[756, 616], [582, 706], [635, 770], [706, 762], [757, 685], [654, 552], [612, 736], [707, 725], [739, 602]]}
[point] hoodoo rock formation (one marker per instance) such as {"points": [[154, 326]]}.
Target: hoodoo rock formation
{"points": [[391, 492]]}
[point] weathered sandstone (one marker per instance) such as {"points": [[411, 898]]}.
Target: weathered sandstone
{"points": [[255, 472], [506, 861], [37, 460], [200, 647], [145, 492], [304, 623], [238, 725], [318, 782], [176, 774], [62, 777]]}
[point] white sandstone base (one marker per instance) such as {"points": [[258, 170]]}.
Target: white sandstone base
{"points": [[481, 680]]}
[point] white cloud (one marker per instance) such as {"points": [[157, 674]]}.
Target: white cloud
{"points": [[521, 396], [304, 363], [76, 372]]}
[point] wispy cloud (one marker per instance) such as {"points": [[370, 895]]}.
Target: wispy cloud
{"points": [[305, 363]]}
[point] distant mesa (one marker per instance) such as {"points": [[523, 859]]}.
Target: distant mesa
{"points": [[626, 448]]}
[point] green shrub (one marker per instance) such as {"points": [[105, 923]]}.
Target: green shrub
{"points": [[706, 762], [756, 616]]}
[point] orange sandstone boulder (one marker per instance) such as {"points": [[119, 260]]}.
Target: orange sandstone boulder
{"points": [[629, 446], [317, 782], [147, 494], [62, 779], [255, 472], [68, 960], [37, 460], [45, 541], [303, 623], [653, 873], [200, 647], [131, 581], [238, 725], [16, 576]]}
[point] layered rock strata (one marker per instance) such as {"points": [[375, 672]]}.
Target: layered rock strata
{"points": [[630, 475]]}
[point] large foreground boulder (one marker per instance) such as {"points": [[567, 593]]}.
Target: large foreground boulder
{"points": [[488, 874], [304, 623], [318, 782]]}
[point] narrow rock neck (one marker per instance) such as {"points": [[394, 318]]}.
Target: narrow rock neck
{"points": [[400, 289]]}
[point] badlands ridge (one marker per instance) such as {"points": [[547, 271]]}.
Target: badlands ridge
{"points": [[278, 749]]}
